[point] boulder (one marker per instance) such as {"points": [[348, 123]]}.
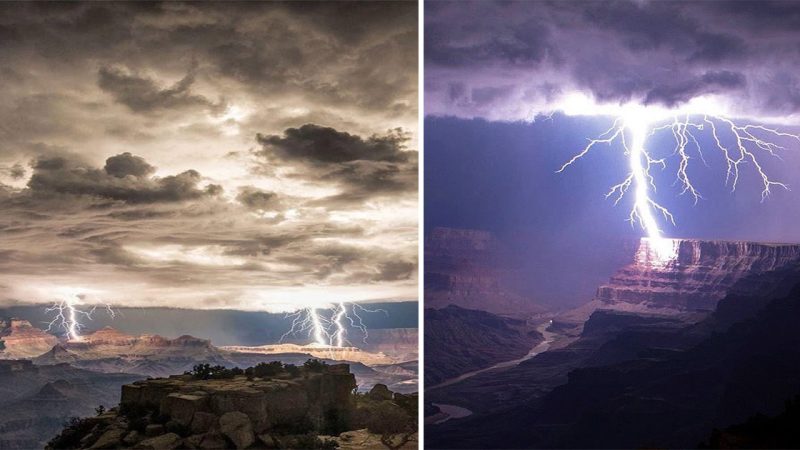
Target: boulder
{"points": [[110, 439], [268, 441], [212, 440], [238, 428], [154, 429], [203, 422], [251, 402], [181, 407], [132, 438], [167, 441]]}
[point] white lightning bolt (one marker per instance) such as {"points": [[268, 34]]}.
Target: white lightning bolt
{"points": [[68, 315], [329, 331], [309, 320], [636, 122], [338, 315]]}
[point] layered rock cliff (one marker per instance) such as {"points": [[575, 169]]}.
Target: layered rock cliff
{"points": [[470, 269], [20, 339], [686, 274], [108, 350]]}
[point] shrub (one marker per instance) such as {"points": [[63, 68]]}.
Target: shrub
{"points": [[292, 370], [70, 437], [207, 371], [269, 369], [315, 365]]}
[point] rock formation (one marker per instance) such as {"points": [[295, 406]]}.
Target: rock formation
{"points": [[20, 339], [695, 275], [108, 350], [470, 269], [276, 407]]}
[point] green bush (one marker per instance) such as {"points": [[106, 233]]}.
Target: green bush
{"points": [[315, 365], [270, 369], [292, 370], [207, 371]]}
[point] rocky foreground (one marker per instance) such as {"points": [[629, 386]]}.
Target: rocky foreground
{"points": [[267, 406]]}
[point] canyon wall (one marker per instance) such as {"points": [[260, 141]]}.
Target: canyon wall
{"points": [[470, 269], [688, 275]]}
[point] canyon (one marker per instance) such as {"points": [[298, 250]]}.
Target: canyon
{"points": [[704, 307], [49, 379]]}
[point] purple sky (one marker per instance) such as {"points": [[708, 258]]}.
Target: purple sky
{"points": [[510, 60], [492, 67]]}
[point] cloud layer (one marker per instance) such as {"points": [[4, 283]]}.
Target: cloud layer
{"points": [[249, 155], [512, 60]]}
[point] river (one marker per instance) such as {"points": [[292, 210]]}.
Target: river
{"points": [[457, 412]]}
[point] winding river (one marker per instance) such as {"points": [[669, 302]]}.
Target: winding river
{"points": [[457, 412]]}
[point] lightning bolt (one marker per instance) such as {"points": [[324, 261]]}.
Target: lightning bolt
{"points": [[632, 131], [338, 315], [68, 316], [310, 321], [329, 330]]}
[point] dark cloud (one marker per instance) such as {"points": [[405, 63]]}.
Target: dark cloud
{"points": [[127, 164], [15, 171], [257, 199], [485, 59], [362, 167], [125, 177], [143, 95], [316, 144], [685, 90]]}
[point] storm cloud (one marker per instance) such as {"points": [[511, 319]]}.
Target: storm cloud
{"points": [[361, 167], [239, 155], [514, 60]]}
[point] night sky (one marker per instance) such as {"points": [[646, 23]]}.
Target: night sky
{"points": [[492, 68]]}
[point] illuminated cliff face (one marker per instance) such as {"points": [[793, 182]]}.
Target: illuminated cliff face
{"points": [[696, 276]]}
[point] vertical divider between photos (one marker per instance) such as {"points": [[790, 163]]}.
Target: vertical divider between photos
{"points": [[421, 220]]}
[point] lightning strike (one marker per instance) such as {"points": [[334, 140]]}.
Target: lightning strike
{"points": [[635, 124], [68, 316], [330, 331], [337, 321]]}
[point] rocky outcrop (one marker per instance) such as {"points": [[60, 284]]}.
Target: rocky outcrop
{"points": [[285, 410], [20, 339], [316, 398], [470, 269], [692, 275]]}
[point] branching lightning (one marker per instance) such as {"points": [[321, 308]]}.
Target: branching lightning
{"points": [[69, 317], [330, 331], [632, 130]]}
